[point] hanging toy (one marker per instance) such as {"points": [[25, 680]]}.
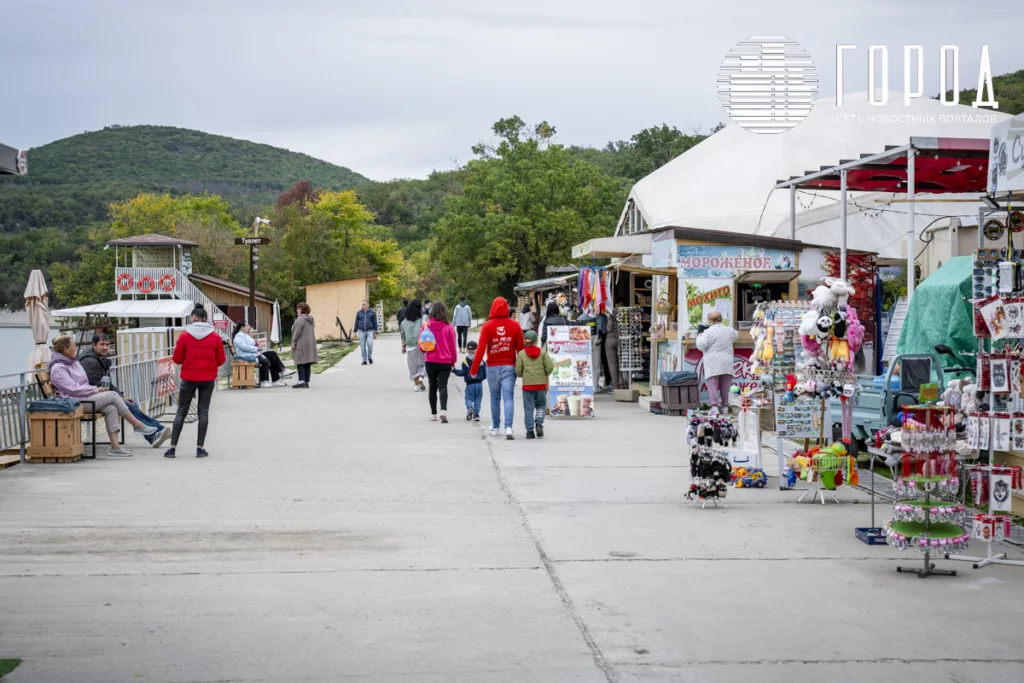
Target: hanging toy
{"points": [[790, 395], [839, 348], [768, 352], [823, 327]]}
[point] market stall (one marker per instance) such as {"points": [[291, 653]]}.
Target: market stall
{"points": [[13, 161]]}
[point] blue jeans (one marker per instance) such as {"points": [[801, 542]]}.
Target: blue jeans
{"points": [[501, 380], [135, 410], [366, 344], [474, 397], [535, 405]]}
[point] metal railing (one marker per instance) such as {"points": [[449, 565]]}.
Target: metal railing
{"points": [[150, 378]]}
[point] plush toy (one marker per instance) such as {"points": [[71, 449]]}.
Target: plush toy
{"points": [[969, 400], [823, 299], [839, 348], [854, 330], [790, 396], [823, 327], [842, 291], [953, 395], [808, 323], [768, 351]]}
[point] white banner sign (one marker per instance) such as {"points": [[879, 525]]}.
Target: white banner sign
{"points": [[1006, 156]]}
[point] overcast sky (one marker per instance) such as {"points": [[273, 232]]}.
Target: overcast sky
{"points": [[396, 88]]}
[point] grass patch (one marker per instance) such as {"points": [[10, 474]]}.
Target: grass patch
{"points": [[8, 665], [330, 356]]}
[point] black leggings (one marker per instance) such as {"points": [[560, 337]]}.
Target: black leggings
{"points": [[267, 369], [437, 379], [304, 371], [463, 331], [185, 393]]}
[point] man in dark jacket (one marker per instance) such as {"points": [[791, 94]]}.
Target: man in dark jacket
{"points": [[366, 326], [96, 363], [401, 312]]}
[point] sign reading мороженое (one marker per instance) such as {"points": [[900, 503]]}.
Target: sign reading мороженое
{"points": [[725, 262]]}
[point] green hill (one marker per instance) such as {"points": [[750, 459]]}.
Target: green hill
{"points": [[186, 159], [45, 216]]}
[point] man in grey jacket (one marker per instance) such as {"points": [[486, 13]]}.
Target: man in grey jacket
{"points": [[462, 319]]}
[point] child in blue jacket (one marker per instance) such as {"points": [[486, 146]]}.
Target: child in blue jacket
{"points": [[474, 383]]}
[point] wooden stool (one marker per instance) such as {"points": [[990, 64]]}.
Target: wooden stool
{"points": [[243, 374], [55, 437]]}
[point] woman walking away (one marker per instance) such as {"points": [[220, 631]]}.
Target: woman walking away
{"points": [[411, 325], [553, 316], [716, 345], [304, 344], [500, 340], [200, 353], [462, 319], [527, 320], [440, 360], [69, 380]]}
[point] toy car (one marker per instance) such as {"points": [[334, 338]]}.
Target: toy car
{"points": [[753, 479]]}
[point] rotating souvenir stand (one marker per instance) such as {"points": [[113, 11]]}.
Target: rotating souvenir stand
{"points": [[634, 352], [929, 467], [993, 526], [710, 468]]}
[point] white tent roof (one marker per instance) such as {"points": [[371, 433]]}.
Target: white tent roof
{"points": [[726, 182], [876, 223], [128, 308]]}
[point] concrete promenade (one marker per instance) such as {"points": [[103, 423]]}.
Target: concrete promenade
{"points": [[336, 535]]}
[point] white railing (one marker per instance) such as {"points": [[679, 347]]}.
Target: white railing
{"points": [[164, 282]]}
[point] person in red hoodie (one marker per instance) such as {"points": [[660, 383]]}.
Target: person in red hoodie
{"points": [[200, 353], [501, 339], [441, 361]]}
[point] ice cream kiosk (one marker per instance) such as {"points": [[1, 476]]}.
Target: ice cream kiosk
{"points": [[715, 271]]}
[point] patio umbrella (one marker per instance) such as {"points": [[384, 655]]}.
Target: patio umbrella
{"points": [[39, 320], [275, 328]]}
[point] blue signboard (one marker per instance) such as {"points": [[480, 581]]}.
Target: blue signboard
{"points": [[700, 260]]}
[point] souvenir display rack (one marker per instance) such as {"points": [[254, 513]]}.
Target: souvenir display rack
{"points": [[998, 297], [710, 468], [634, 349], [924, 516]]}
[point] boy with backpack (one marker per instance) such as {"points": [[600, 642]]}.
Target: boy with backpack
{"points": [[534, 366], [474, 383]]}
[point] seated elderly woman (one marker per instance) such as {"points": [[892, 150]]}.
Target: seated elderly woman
{"points": [[69, 380], [246, 349]]}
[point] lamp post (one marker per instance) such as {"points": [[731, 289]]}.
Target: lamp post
{"points": [[254, 245]]}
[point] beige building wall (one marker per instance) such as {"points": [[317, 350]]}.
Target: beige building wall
{"points": [[330, 300]]}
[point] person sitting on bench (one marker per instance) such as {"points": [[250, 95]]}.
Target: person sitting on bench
{"points": [[246, 349], [95, 361], [69, 380]]}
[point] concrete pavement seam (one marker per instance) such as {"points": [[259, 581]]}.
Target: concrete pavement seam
{"points": [[783, 662], [599, 659]]}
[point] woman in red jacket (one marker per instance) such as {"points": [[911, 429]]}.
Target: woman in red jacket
{"points": [[200, 353]]}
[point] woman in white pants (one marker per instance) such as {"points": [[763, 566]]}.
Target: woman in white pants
{"points": [[69, 380], [716, 345]]}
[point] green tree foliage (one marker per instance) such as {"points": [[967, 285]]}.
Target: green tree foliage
{"points": [[411, 207], [524, 204], [1009, 90], [643, 153]]}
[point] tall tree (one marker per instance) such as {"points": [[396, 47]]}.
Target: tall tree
{"points": [[524, 204]]}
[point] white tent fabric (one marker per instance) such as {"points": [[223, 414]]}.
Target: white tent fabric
{"points": [[275, 328], [876, 223], [726, 182], [128, 308]]}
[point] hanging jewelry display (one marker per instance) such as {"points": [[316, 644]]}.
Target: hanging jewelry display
{"points": [[634, 353]]}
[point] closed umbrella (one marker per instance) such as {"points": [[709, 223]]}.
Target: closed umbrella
{"points": [[39, 320], [275, 327]]}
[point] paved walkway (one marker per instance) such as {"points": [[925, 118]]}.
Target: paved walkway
{"points": [[335, 534]]}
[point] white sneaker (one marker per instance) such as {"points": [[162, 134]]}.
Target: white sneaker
{"points": [[280, 383], [494, 431], [287, 373], [265, 385], [509, 435], [119, 453], [146, 430], [444, 417]]}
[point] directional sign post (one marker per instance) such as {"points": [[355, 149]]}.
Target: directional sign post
{"points": [[254, 248]]}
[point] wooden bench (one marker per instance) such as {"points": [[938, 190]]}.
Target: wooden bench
{"points": [[47, 391], [56, 437], [243, 374]]}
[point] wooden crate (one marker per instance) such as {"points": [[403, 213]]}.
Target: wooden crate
{"points": [[243, 374], [55, 437]]}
